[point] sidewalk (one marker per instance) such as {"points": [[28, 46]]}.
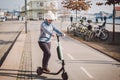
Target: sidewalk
{"points": [[9, 32], [10, 68], [12, 42]]}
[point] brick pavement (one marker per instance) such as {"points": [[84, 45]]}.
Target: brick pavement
{"points": [[25, 68]]}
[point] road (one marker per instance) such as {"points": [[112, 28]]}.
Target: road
{"points": [[82, 62]]}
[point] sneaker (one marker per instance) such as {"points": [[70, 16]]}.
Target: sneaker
{"points": [[46, 70]]}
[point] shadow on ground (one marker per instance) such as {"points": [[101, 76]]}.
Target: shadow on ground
{"points": [[21, 74]]}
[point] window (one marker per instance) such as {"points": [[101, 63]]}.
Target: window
{"points": [[39, 4]]}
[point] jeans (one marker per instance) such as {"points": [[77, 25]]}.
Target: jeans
{"points": [[46, 53]]}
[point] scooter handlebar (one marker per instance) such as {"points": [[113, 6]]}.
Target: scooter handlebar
{"points": [[57, 37]]}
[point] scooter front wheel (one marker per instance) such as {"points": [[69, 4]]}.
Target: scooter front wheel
{"points": [[39, 71], [64, 76]]}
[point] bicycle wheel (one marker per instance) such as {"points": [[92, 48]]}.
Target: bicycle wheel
{"points": [[88, 36], [85, 36], [91, 35], [104, 35], [95, 36]]}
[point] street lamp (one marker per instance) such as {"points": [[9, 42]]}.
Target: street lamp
{"points": [[25, 16], [76, 8]]}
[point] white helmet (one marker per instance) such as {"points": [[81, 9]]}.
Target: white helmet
{"points": [[49, 15]]}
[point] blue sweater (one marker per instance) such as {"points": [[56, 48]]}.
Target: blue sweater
{"points": [[46, 31]]}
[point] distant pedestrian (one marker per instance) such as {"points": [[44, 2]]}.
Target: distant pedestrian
{"points": [[105, 18], [85, 18], [96, 20], [101, 18], [46, 33], [71, 19]]}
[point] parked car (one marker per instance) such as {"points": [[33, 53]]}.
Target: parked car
{"points": [[3, 18]]}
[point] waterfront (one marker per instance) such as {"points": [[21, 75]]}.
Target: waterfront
{"points": [[117, 21], [109, 20]]}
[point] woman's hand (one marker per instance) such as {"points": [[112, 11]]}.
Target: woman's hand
{"points": [[60, 34], [63, 34]]}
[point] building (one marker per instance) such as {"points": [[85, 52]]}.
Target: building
{"points": [[37, 8], [2, 13], [117, 8]]}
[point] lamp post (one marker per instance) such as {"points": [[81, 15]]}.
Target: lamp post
{"points": [[25, 16], [113, 39], [76, 8]]}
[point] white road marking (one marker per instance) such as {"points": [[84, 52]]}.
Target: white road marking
{"points": [[71, 57], [84, 70]]}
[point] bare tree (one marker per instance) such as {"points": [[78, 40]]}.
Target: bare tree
{"points": [[76, 5]]}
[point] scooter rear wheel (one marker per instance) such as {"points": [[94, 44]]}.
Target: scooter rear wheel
{"points": [[39, 71]]}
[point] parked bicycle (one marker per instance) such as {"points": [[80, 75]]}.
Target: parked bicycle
{"points": [[101, 33], [88, 34], [71, 27]]}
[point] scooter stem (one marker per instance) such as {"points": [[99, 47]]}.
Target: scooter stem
{"points": [[57, 38]]}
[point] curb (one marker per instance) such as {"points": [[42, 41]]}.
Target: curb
{"points": [[105, 53]]}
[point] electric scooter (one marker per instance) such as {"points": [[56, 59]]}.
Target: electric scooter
{"points": [[64, 74]]}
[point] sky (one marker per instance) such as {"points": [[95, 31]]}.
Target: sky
{"points": [[17, 4], [95, 8], [11, 4]]}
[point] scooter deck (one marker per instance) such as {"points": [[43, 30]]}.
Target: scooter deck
{"points": [[41, 71]]}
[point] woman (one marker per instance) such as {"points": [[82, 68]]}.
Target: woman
{"points": [[46, 30]]}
